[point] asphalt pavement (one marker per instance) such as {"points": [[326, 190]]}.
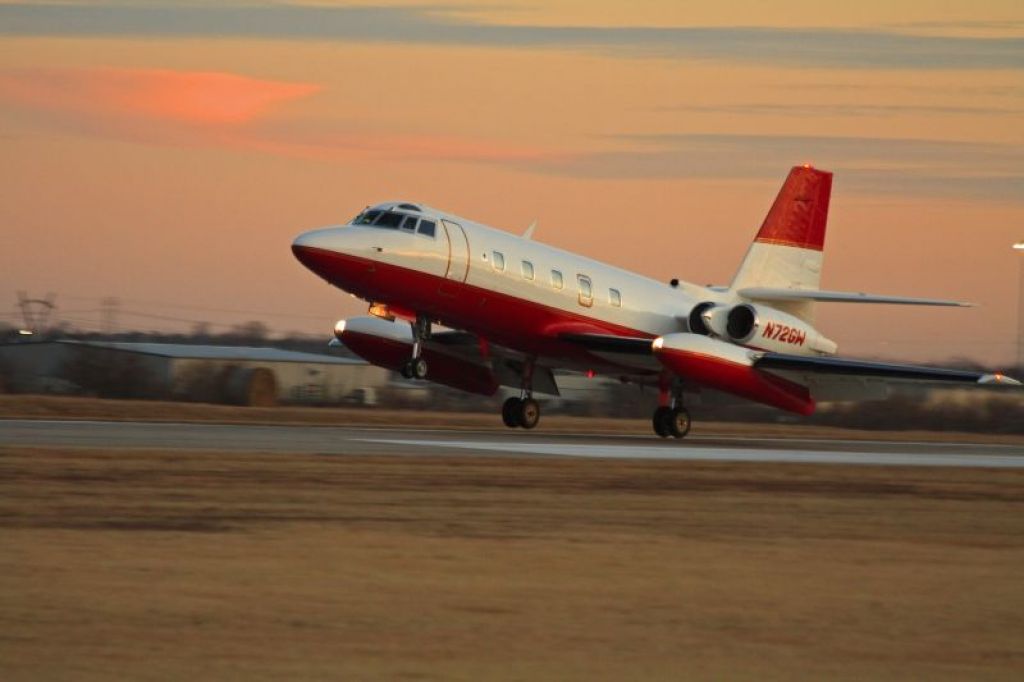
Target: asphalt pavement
{"points": [[340, 441]]}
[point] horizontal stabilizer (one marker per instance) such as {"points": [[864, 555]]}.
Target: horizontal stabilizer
{"points": [[773, 294]]}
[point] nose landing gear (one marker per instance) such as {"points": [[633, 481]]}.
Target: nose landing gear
{"points": [[416, 367]]}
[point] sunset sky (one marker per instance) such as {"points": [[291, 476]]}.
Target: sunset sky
{"points": [[166, 153]]}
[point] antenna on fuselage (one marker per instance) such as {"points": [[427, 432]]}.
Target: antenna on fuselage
{"points": [[529, 231]]}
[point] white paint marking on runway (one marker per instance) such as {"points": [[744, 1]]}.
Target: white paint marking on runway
{"points": [[466, 431], [689, 452]]}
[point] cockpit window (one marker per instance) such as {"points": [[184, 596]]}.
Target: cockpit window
{"points": [[409, 223], [366, 217], [427, 227], [389, 220]]}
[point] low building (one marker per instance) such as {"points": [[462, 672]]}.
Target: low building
{"points": [[231, 374]]}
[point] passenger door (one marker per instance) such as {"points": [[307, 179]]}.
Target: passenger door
{"points": [[458, 251]]}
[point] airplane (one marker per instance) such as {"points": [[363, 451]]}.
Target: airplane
{"points": [[516, 309]]}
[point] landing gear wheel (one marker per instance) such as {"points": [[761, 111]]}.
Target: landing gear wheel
{"points": [[414, 369], [510, 412], [660, 421], [529, 413], [679, 422]]}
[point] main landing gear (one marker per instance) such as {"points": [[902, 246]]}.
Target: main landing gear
{"points": [[671, 418], [671, 421], [523, 411], [416, 367]]}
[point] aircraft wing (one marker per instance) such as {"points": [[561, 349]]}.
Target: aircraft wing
{"points": [[861, 368], [610, 343], [831, 378]]}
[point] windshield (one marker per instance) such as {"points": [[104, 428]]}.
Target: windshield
{"points": [[366, 217], [393, 220]]}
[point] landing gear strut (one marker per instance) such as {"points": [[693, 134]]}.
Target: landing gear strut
{"points": [[416, 367], [523, 411], [671, 418]]}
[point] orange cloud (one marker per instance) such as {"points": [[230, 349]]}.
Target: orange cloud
{"points": [[221, 110], [184, 97]]}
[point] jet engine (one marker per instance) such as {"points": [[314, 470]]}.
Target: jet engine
{"points": [[729, 368], [769, 329], [708, 319]]}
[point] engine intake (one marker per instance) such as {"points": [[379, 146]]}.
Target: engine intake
{"points": [[740, 323]]}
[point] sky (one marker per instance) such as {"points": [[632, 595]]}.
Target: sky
{"points": [[167, 153]]}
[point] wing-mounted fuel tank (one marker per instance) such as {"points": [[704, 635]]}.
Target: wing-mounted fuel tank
{"points": [[389, 344], [761, 327], [729, 368]]}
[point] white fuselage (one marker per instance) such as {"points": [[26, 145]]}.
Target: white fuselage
{"points": [[467, 256]]}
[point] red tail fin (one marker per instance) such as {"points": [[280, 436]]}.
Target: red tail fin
{"points": [[798, 216]]}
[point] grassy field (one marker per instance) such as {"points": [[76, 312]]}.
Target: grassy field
{"points": [[53, 407], [168, 565]]}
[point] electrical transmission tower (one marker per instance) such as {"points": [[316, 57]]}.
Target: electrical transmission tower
{"points": [[35, 312], [109, 308]]}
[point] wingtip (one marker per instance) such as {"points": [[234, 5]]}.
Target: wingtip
{"points": [[998, 380]]}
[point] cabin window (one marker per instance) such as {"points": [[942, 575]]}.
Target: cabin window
{"points": [[586, 290], [527, 270], [615, 298], [409, 223], [556, 279], [427, 227], [389, 220], [498, 261], [366, 217]]}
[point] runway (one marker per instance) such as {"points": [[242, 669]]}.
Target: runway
{"points": [[342, 441]]}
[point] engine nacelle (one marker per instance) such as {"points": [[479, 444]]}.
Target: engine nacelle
{"points": [[729, 368], [708, 319], [769, 329]]}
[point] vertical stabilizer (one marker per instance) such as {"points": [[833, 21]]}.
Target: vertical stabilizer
{"points": [[789, 248]]}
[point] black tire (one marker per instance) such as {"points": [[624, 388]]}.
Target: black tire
{"points": [[406, 370], [679, 422], [418, 368], [510, 413], [529, 413], [660, 421]]}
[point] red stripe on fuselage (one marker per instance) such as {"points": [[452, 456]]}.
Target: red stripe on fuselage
{"points": [[516, 323]]}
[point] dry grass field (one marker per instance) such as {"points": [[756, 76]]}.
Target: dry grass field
{"points": [[156, 565]]}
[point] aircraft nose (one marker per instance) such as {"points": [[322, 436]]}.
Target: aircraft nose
{"points": [[333, 253], [312, 247], [313, 239]]}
